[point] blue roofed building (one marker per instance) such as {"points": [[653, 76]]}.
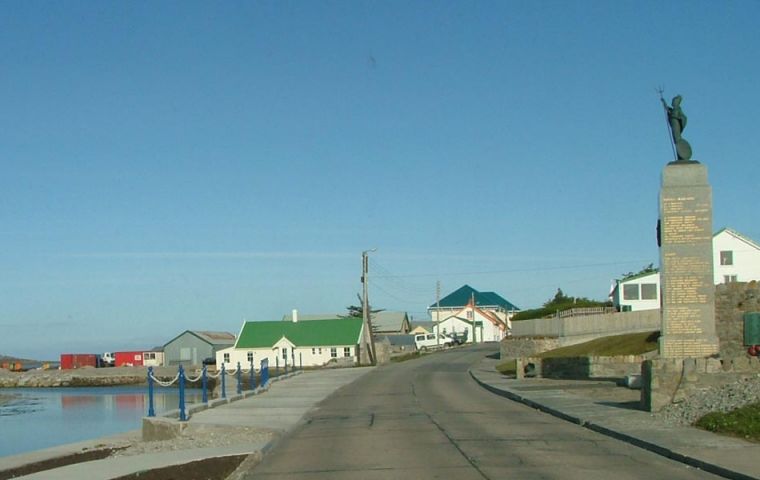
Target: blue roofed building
{"points": [[479, 316]]}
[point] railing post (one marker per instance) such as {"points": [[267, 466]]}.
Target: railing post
{"points": [[252, 377], [224, 384], [286, 364], [293, 358], [239, 383], [151, 410], [277, 364], [182, 416], [204, 383], [300, 360]]}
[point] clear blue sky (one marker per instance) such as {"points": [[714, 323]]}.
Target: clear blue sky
{"points": [[187, 165]]}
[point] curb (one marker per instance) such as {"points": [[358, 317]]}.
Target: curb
{"points": [[636, 442]]}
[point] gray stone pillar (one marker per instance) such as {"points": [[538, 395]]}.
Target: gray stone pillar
{"points": [[686, 262]]}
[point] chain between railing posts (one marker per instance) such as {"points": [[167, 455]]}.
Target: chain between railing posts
{"points": [[151, 410], [239, 383], [204, 383], [224, 383], [182, 416], [252, 377]]}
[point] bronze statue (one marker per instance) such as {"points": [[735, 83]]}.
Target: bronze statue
{"points": [[677, 124]]}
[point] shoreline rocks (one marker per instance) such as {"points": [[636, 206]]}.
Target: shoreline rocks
{"points": [[84, 377]]}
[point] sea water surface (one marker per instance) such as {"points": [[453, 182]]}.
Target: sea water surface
{"points": [[36, 418]]}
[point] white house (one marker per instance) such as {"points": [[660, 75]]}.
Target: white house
{"points": [[736, 258], [457, 311], [637, 292], [308, 343]]}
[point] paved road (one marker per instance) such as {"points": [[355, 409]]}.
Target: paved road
{"points": [[427, 418]]}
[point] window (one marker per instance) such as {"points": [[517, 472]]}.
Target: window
{"points": [[631, 291], [729, 278], [313, 351], [320, 350], [649, 291], [347, 351], [250, 357], [185, 353], [150, 356], [444, 331], [285, 353], [469, 314], [726, 257], [333, 352], [226, 358]]}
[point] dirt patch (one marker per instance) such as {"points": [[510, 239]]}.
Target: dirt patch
{"points": [[57, 462], [217, 468]]}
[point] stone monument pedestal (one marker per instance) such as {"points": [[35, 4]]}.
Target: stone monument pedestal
{"points": [[686, 262]]}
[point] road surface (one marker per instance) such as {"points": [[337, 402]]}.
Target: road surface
{"points": [[426, 418]]}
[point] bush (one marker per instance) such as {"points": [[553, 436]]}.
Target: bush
{"points": [[743, 422]]}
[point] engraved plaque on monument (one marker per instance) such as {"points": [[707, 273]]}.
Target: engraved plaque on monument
{"points": [[686, 262]]}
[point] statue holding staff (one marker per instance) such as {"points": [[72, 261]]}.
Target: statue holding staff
{"points": [[676, 125]]}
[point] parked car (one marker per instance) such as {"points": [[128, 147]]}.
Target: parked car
{"points": [[209, 361], [460, 338], [428, 341]]}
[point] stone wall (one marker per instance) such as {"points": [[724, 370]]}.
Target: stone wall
{"points": [[732, 301], [512, 347], [671, 380], [583, 368]]}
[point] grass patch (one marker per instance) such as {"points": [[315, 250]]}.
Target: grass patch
{"points": [[628, 344], [405, 357], [743, 422], [507, 368]]}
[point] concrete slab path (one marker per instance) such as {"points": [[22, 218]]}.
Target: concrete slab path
{"points": [[724, 456]]}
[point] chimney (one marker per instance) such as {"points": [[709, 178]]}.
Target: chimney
{"points": [[295, 316]]}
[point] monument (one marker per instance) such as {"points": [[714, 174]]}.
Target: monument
{"points": [[686, 254]]}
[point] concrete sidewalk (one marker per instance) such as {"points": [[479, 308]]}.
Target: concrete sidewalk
{"points": [[278, 410], [724, 456]]}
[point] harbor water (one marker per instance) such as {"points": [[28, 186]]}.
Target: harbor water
{"points": [[36, 418]]}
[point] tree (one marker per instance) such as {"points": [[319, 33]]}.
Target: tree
{"points": [[357, 311]]}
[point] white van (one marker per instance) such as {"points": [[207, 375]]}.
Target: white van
{"points": [[427, 341]]}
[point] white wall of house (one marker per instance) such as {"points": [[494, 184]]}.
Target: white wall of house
{"points": [[735, 258], [486, 332], [640, 293], [310, 356]]}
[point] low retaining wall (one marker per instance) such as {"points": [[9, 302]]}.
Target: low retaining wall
{"points": [[671, 380], [581, 368]]}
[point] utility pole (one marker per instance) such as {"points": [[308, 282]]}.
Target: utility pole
{"points": [[438, 312], [474, 325], [366, 317]]}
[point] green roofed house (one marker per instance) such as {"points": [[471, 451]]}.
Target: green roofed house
{"points": [[311, 343]]}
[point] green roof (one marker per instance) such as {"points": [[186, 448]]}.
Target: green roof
{"points": [[462, 296], [331, 332]]}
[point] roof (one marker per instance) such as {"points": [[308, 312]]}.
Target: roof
{"points": [[311, 316], [389, 321], [398, 340], [462, 297], [656, 271], [738, 235], [331, 332], [212, 338]]}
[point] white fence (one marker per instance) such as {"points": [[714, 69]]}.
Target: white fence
{"points": [[574, 328]]}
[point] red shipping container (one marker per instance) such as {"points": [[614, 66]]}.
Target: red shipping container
{"points": [[78, 360], [128, 359]]}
